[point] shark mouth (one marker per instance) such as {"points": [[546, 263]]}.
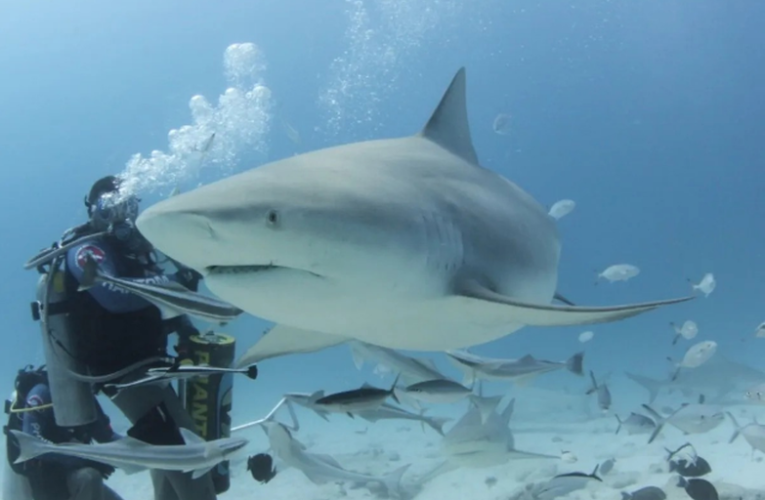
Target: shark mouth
{"points": [[251, 269], [220, 270]]}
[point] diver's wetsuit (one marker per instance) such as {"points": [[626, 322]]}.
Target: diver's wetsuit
{"points": [[116, 329], [61, 476]]}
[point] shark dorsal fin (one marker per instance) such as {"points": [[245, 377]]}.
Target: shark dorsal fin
{"points": [[448, 126]]}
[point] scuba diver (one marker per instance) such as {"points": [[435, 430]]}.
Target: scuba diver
{"points": [[105, 331], [51, 476]]}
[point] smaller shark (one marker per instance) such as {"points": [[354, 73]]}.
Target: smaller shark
{"points": [[321, 469], [132, 455], [520, 370], [476, 444]]}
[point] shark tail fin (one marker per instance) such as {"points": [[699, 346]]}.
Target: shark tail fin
{"points": [[619, 427], [29, 446], [660, 421], [737, 430], [392, 481], [651, 385], [575, 363]]}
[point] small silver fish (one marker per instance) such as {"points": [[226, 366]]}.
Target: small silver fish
{"points": [[364, 398], [607, 466], [694, 418], [636, 423], [604, 395]]}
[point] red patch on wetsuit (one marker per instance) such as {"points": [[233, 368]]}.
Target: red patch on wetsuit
{"points": [[92, 250], [34, 401]]}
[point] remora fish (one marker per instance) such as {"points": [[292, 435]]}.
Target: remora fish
{"points": [[321, 469], [411, 369], [404, 243], [695, 418], [518, 370], [364, 398], [636, 424], [723, 380], [171, 298], [164, 375], [131, 455]]}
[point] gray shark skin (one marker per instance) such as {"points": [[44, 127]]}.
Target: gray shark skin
{"points": [[405, 243], [321, 469], [473, 443], [131, 455], [516, 370], [412, 370]]}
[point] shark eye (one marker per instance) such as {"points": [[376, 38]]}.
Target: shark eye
{"points": [[272, 218]]}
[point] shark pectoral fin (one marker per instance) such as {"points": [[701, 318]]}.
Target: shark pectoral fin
{"points": [[488, 304], [197, 473], [282, 340]]}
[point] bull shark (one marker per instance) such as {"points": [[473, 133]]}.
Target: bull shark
{"points": [[405, 243], [320, 469], [132, 455]]}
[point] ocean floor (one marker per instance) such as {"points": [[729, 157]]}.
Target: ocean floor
{"points": [[384, 446]]}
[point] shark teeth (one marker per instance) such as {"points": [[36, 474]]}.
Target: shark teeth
{"points": [[240, 269]]}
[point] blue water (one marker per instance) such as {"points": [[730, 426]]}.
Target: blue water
{"points": [[650, 115]]}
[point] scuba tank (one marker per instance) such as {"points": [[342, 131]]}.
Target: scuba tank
{"points": [[73, 399], [208, 399]]}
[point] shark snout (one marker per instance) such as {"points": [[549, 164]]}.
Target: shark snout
{"points": [[185, 236]]}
